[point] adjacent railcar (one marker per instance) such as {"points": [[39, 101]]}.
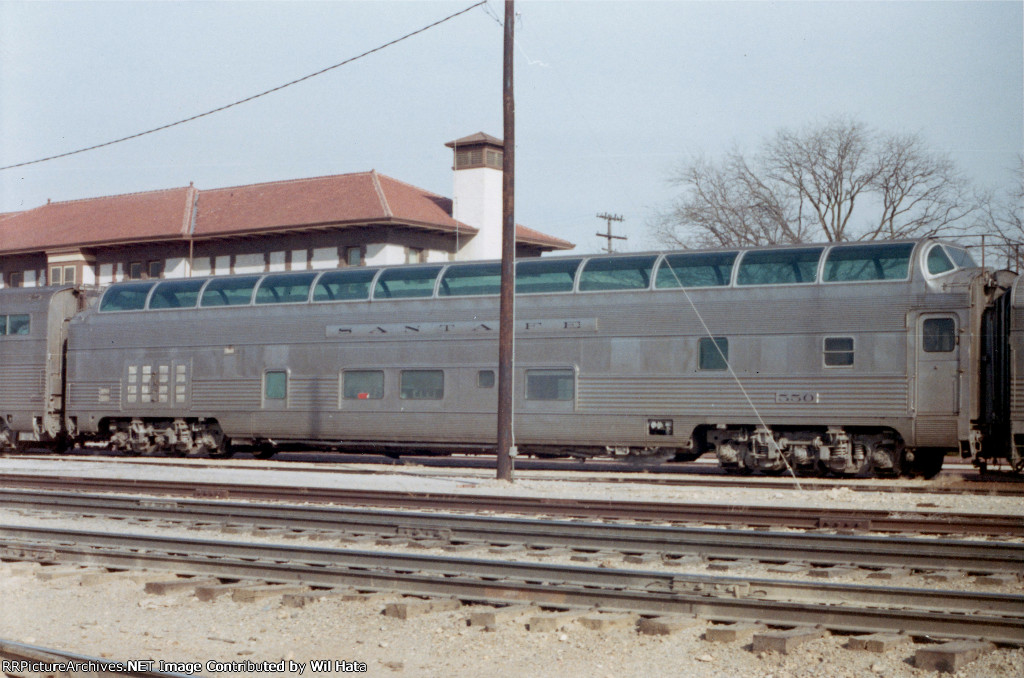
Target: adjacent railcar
{"points": [[849, 358], [33, 331]]}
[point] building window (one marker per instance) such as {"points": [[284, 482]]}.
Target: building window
{"points": [[56, 278], [838, 351], [354, 256], [16, 279], [415, 255], [135, 270], [714, 353], [275, 385], [156, 269]]}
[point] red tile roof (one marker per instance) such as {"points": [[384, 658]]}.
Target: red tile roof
{"points": [[334, 200], [331, 201], [135, 217], [528, 236]]}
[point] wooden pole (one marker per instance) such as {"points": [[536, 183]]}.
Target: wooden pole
{"points": [[506, 310]]}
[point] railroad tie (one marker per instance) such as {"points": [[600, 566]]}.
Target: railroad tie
{"points": [[730, 633], [785, 642], [951, 657], [878, 642]]}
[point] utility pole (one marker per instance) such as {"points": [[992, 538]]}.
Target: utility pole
{"points": [[610, 218], [506, 310]]}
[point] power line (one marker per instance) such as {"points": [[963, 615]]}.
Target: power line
{"points": [[251, 98]]}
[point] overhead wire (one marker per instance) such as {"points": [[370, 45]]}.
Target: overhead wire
{"points": [[250, 98], [739, 384]]}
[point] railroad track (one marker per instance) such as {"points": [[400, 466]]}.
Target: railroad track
{"points": [[32, 661], [662, 512], [814, 549], [959, 480], [838, 607]]}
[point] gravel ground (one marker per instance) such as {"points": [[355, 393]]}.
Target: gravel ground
{"points": [[117, 619]]}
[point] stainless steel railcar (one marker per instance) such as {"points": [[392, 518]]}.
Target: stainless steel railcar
{"points": [[850, 358], [33, 331]]}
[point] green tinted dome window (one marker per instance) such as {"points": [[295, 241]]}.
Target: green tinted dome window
{"points": [[14, 325], [229, 291], [126, 297], [779, 267], [471, 280], [285, 288], [705, 269], [883, 261], [176, 294], [344, 285], [961, 257], [546, 275], [617, 273], [938, 261], [405, 283]]}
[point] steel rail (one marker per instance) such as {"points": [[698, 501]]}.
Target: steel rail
{"points": [[32, 660], [598, 471], [754, 516], [848, 608], [817, 549]]}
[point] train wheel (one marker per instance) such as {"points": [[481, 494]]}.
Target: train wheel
{"points": [[221, 450], [686, 455], [265, 451], [927, 463]]}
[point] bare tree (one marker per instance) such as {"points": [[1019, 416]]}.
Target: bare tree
{"points": [[1003, 217], [836, 181]]}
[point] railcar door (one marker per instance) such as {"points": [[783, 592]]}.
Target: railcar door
{"points": [[938, 378]]}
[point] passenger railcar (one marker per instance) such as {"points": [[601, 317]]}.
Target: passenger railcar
{"points": [[847, 358], [33, 332]]}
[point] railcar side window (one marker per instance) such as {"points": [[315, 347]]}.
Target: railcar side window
{"points": [[485, 379], [713, 354], [617, 273], [471, 279], [284, 288], [422, 384], [708, 269], [275, 385], [938, 335], [779, 267], [344, 285], [405, 283], [550, 384], [14, 325], [838, 351], [546, 275], [938, 262], [126, 297], [868, 262], [362, 384], [176, 294], [229, 291]]}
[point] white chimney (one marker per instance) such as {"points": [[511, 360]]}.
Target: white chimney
{"points": [[476, 196]]}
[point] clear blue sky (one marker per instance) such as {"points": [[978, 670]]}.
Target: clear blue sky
{"points": [[610, 96]]}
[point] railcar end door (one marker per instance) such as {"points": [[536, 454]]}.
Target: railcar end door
{"points": [[938, 365]]}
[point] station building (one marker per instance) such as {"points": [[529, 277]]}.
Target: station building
{"points": [[359, 219]]}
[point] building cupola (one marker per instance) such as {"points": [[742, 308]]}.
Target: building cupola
{"points": [[477, 150], [476, 194]]}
